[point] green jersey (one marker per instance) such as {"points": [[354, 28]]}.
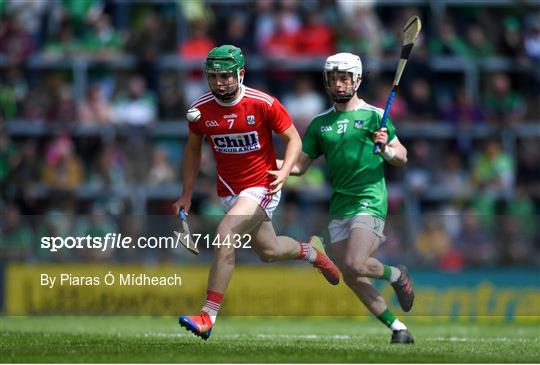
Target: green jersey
{"points": [[356, 174]]}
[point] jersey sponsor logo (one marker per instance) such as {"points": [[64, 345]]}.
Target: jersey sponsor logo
{"points": [[211, 123], [250, 120], [230, 116], [326, 128], [236, 143], [359, 123]]}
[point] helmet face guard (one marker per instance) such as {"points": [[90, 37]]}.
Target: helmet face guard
{"points": [[347, 68], [222, 69], [350, 86], [223, 85]]}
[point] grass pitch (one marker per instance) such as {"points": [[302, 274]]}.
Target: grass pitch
{"points": [[240, 340]]}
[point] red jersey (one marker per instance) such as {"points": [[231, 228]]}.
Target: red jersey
{"points": [[240, 134]]}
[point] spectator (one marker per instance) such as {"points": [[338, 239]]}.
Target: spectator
{"points": [[31, 15], [8, 104], [35, 105], [147, 44], [171, 102], [463, 111], [493, 178], [532, 50], [137, 107], [16, 238], [304, 103], [196, 10], [451, 178], [363, 38], [479, 46], [528, 171], [161, 172], [503, 105], [97, 224], [95, 108], [317, 38], [330, 13], [64, 43], [264, 24], [196, 48], [283, 42], [532, 39], [237, 33], [58, 221], [25, 175], [289, 14], [81, 11], [63, 111], [420, 101], [511, 43], [8, 157], [521, 207], [63, 170], [103, 42], [418, 176], [199, 43], [516, 245], [447, 42], [109, 168], [474, 242], [493, 169], [15, 42], [399, 110], [13, 90], [432, 243]]}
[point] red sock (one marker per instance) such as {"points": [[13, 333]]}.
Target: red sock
{"points": [[307, 253], [212, 303]]}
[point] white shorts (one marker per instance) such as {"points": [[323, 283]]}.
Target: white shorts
{"points": [[268, 202], [340, 228]]}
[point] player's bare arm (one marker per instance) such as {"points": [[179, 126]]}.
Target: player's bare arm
{"points": [[192, 160], [394, 153], [300, 166], [294, 145]]}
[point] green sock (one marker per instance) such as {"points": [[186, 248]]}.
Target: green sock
{"points": [[387, 317], [387, 272]]}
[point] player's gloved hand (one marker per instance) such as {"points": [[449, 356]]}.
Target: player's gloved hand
{"points": [[381, 137], [183, 202], [280, 177]]}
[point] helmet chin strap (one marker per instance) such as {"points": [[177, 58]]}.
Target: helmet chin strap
{"points": [[227, 96], [342, 99]]}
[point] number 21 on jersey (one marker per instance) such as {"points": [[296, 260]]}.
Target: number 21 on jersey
{"points": [[342, 126]]}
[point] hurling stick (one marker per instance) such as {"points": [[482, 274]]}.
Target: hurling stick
{"points": [[185, 236], [410, 33]]}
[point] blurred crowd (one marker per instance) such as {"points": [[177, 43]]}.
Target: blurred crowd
{"points": [[461, 201], [106, 31]]}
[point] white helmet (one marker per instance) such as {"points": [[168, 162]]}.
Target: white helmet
{"points": [[343, 62]]}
